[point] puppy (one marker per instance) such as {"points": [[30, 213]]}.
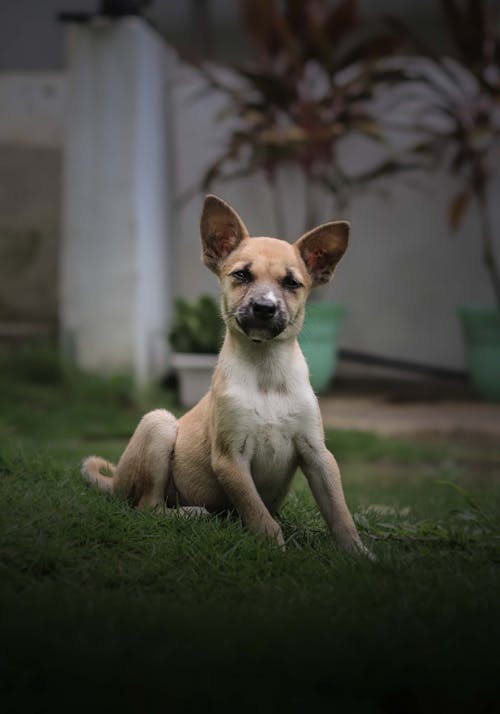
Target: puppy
{"points": [[240, 446]]}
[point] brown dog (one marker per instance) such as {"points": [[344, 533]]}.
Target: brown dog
{"points": [[242, 443]]}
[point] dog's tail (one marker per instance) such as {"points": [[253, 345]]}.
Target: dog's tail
{"points": [[92, 468]]}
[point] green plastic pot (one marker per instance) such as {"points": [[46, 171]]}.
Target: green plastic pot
{"points": [[481, 330], [319, 341]]}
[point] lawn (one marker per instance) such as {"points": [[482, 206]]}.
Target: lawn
{"points": [[107, 608]]}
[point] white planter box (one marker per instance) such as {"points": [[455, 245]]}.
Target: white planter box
{"points": [[195, 375]]}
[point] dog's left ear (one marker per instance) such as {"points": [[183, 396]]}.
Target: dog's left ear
{"points": [[222, 230], [322, 248]]}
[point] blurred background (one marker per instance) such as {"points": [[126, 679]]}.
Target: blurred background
{"points": [[117, 117]]}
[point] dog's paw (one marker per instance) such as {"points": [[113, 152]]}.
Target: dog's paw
{"points": [[366, 553], [352, 544], [271, 529], [280, 539], [192, 512], [358, 549]]}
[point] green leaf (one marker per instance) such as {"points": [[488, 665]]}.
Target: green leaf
{"points": [[468, 498], [197, 326]]}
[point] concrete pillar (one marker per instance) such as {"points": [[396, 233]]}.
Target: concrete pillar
{"points": [[115, 281]]}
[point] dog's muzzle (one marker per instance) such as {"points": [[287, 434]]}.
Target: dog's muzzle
{"points": [[261, 318]]}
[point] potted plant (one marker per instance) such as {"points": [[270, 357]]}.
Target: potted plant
{"points": [[459, 129], [195, 337], [308, 88]]}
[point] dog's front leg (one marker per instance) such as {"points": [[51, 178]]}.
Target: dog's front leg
{"points": [[235, 478], [323, 475]]}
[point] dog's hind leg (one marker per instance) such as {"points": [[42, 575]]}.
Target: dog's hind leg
{"points": [[143, 470]]}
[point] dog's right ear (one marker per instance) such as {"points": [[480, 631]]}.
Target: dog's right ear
{"points": [[222, 230]]}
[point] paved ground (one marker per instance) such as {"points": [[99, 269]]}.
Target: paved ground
{"points": [[380, 414]]}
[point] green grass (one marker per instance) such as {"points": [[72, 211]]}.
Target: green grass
{"points": [[110, 608]]}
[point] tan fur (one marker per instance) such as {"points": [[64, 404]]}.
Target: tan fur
{"points": [[241, 444]]}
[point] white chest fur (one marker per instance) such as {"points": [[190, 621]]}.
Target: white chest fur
{"points": [[266, 404]]}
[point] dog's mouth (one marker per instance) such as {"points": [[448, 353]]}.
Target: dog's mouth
{"points": [[261, 329]]}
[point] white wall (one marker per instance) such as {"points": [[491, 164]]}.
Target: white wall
{"points": [[31, 137], [32, 108], [115, 282]]}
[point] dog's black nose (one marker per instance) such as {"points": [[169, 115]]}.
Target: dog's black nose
{"points": [[263, 307]]}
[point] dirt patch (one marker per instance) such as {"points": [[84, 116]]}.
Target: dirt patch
{"points": [[387, 418]]}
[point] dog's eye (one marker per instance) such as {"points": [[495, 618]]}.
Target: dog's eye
{"points": [[289, 282], [242, 276]]}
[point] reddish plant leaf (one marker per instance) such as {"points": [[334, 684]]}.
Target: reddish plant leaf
{"points": [[457, 207], [341, 20]]}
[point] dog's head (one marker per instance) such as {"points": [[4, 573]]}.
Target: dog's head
{"points": [[265, 281]]}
